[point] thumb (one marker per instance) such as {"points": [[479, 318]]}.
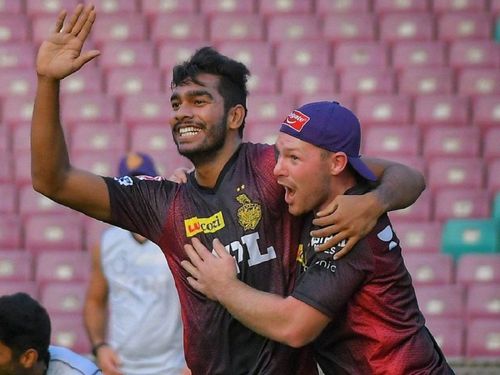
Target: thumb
{"points": [[86, 57]]}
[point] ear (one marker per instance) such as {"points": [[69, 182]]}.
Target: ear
{"points": [[235, 116], [339, 162], [29, 358]]}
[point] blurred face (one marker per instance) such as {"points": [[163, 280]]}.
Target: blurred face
{"points": [[198, 122], [304, 171]]}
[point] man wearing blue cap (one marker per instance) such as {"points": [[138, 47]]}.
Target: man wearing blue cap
{"points": [[361, 311], [142, 334]]}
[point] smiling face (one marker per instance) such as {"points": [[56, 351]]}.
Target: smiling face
{"points": [[199, 120], [304, 171]]}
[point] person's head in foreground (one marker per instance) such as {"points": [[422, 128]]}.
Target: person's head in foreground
{"points": [[24, 336], [318, 155]]}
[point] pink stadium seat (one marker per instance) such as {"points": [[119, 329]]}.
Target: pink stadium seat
{"points": [[418, 237], [88, 108], [451, 142], [349, 27], [21, 138], [342, 6], [486, 112], [296, 81], [261, 133], [274, 8], [116, 7], [14, 28], [441, 301], [448, 6], [346, 100], [5, 140], [102, 163], [151, 138], [85, 81], [406, 54], [11, 7], [366, 80], [119, 28], [314, 53], [168, 161], [475, 268], [264, 80], [495, 7], [224, 7], [68, 331], [127, 54], [269, 108], [464, 25], [17, 55], [395, 6], [293, 27], [17, 109], [48, 7], [22, 169], [41, 27], [93, 230], [154, 7], [363, 54], [236, 27], [11, 287], [133, 80], [97, 137], [483, 301], [430, 269], [458, 172], [420, 211], [493, 176], [53, 231], [8, 203], [61, 265], [33, 203], [6, 167], [251, 54], [172, 52], [482, 340], [441, 110], [384, 110], [189, 27], [17, 82], [479, 81], [406, 26], [474, 54], [387, 141], [16, 265], [457, 203], [63, 297], [426, 81], [145, 108], [491, 145], [450, 336]]}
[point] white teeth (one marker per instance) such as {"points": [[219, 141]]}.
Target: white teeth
{"points": [[188, 131]]}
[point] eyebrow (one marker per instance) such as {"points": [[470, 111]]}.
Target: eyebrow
{"points": [[192, 94]]}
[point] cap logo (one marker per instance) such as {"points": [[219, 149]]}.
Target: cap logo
{"points": [[296, 120]]}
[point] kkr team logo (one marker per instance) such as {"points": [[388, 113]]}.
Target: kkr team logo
{"points": [[210, 224], [249, 214]]}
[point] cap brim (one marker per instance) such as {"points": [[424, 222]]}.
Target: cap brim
{"points": [[362, 169]]}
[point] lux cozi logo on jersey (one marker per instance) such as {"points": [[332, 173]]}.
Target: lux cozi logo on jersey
{"points": [[210, 224]]}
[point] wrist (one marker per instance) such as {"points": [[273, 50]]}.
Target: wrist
{"points": [[97, 346]]}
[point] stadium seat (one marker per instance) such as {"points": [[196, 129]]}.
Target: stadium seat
{"points": [[264, 80], [5, 141], [441, 110], [88, 108], [364, 54], [68, 331], [366, 81], [171, 53], [314, 53], [441, 301], [63, 297], [53, 231], [418, 237], [102, 163], [227, 7], [117, 54], [14, 28], [21, 142], [251, 54], [168, 161], [483, 336], [61, 265], [119, 28], [272, 8], [396, 27], [450, 336], [145, 108], [154, 7], [16, 265], [342, 6], [382, 7], [415, 54], [483, 301], [430, 269], [467, 236], [93, 230], [493, 177], [17, 110], [426, 81], [346, 100], [420, 211], [475, 82], [171, 27], [10, 7], [17, 55], [451, 141], [474, 54], [470, 203], [458, 172], [349, 27], [97, 137], [151, 138], [116, 7], [486, 112], [34, 203], [17, 82], [464, 25], [133, 80], [11, 235], [48, 7], [478, 269], [387, 141], [9, 201], [293, 27], [6, 167], [297, 81], [22, 169], [385, 110], [269, 108], [11, 287], [84, 81], [448, 6], [261, 133], [236, 27]]}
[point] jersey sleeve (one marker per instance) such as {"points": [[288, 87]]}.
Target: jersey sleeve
{"points": [[328, 285], [140, 204]]}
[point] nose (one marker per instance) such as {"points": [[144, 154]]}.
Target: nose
{"points": [[278, 168], [183, 111]]}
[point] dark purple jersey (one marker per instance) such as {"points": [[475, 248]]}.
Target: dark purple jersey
{"points": [[376, 327], [247, 212]]}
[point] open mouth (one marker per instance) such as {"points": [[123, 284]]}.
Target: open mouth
{"points": [[289, 194], [188, 131]]}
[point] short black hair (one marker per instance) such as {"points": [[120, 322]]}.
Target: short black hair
{"points": [[233, 76], [24, 324]]}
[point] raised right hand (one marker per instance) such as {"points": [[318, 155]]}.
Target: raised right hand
{"points": [[61, 54]]}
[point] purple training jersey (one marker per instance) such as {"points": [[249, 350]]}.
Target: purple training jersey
{"points": [[247, 212]]}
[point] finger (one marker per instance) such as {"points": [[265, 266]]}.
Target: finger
{"points": [[328, 210], [326, 220], [192, 270], [201, 249], [345, 250], [87, 25], [195, 284], [193, 255], [335, 240], [86, 57], [60, 21], [325, 231], [219, 248], [74, 18]]}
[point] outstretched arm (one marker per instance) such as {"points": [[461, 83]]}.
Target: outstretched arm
{"points": [[352, 217], [52, 175], [287, 320]]}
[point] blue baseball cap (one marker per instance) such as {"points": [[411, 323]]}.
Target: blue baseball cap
{"points": [[136, 164], [330, 126]]}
